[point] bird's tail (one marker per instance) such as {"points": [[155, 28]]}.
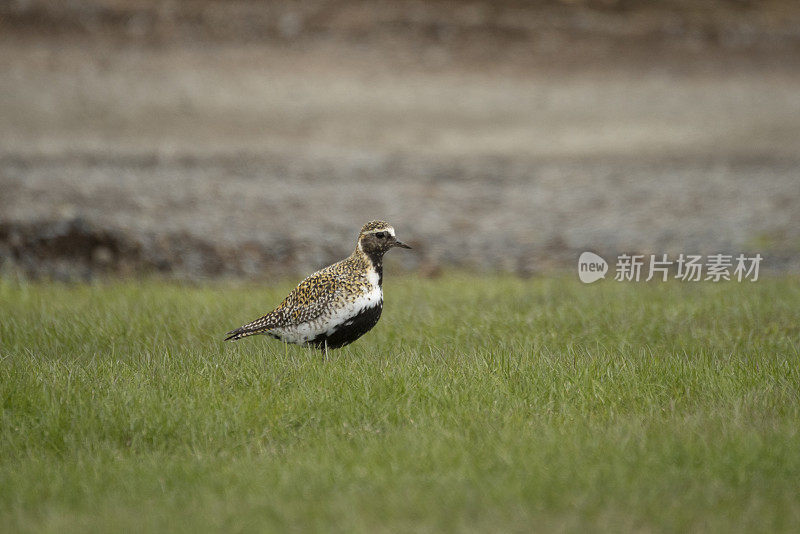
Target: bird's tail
{"points": [[259, 326]]}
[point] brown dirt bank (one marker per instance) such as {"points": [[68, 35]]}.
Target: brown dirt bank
{"points": [[264, 217], [727, 23]]}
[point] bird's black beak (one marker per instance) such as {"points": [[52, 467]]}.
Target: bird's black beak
{"points": [[400, 244]]}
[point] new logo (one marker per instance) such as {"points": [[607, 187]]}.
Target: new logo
{"points": [[591, 267]]}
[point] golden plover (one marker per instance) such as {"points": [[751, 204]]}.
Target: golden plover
{"points": [[336, 305]]}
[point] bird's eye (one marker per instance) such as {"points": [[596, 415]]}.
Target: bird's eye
{"points": [[380, 235]]}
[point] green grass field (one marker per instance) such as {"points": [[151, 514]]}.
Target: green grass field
{"points": [[476, 404]]}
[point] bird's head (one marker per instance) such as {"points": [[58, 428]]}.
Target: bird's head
{"points": [[377, 237]]}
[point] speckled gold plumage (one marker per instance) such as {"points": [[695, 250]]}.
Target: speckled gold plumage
{"points": [[331, 295], [324, 288]]}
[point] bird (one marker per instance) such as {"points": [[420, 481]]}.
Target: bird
{"points": [[336, 305]]}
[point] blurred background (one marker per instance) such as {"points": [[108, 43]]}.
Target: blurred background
{"points": [[244, 138]]}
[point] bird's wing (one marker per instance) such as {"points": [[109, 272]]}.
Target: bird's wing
{"points": [[309, 299], [305, 303]]}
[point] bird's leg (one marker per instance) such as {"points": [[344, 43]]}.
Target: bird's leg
{"points": [[325, 346]]}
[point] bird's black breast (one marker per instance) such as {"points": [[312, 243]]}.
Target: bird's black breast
{"points": [[350, 329]]}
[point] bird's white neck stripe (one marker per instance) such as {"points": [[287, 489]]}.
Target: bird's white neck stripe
{"points": [[373, 278]]}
